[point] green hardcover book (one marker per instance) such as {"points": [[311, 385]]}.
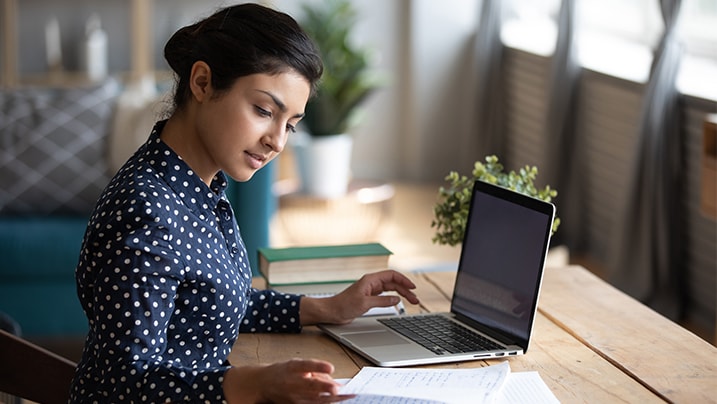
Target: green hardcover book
{"points": [[321, 264]]}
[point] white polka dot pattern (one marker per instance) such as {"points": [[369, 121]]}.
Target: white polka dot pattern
{"points": [[165, 282]]}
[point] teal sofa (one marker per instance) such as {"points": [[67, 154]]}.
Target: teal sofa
{"points": [[44, 207], [39, 255]]}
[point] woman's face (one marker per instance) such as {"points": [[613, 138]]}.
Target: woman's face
{"points": [[243, 129]]}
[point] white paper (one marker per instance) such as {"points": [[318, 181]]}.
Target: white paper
{"points": [[378, 399], [427, 386], [526, 387]]}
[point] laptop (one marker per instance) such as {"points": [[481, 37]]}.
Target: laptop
{"points": [[495, 298]]}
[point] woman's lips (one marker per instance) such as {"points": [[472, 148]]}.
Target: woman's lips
{"points": [[255, 160]]}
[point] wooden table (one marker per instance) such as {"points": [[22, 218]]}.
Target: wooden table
{"points": [[592, 343]]}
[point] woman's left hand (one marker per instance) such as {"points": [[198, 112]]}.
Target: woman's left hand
{"points": [[358, 298]]}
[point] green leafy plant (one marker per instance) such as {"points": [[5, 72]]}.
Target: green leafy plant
{"points": [[346, 81], [451, 209]]}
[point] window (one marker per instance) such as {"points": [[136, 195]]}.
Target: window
{"points": [[530, 25], [618, 37], [699, 28], [699, 32]]}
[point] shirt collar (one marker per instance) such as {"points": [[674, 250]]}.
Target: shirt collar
{"points": [[179, 176]]}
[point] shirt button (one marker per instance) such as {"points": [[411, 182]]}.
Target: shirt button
{"points": [[235, 250]]}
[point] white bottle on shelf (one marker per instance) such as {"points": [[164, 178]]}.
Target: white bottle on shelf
{"points": [[53, 45], [95, 49]]}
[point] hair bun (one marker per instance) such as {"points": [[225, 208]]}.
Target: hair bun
{"points": [[178, 50], [238, 41]]}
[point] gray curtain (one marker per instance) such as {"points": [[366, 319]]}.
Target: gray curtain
{"points": [[489, 60], [648, 245], [561, 166]]}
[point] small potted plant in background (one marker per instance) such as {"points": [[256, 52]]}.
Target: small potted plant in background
{"points": [[323, 153], [451, 209]]}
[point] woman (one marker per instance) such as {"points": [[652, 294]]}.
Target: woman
{"points": [[163, 275]]}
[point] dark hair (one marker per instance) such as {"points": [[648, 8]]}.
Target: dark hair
{"points": [[239, 41]]}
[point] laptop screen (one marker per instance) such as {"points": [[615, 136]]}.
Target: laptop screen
{"points": [[502, 259]]}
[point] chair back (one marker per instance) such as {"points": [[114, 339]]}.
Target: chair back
{"points": [[31, 372]]}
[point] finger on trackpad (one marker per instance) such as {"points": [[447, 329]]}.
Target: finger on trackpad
{"points": [[375, 338]]}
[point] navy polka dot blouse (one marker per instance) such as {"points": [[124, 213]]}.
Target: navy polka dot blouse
{"points": [[165, 282]]}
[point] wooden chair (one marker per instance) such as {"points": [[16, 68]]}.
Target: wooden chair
{"points": [[31, 372]]}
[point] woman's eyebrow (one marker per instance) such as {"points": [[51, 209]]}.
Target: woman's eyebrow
{"points": [[279, 103]]}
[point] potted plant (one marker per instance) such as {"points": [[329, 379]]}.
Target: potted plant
{"points": [[451, 209], [330, 114]]}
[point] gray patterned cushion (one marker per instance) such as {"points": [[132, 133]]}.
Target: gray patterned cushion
{"points": [[53, 148]]}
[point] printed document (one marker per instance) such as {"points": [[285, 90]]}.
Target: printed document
{"points": [[479, 385], [493, 384]]}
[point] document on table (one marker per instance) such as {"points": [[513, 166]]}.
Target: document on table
{"points": [[494, 384], [526, 387], [407, 385]]}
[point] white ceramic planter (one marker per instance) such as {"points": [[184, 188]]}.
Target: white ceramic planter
{"points": [[324, 163]]}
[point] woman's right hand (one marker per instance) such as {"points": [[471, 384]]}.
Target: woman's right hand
{"points": [[293, 381]]}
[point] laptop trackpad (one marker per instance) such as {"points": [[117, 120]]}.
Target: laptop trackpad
{"points": [[374, 338]]}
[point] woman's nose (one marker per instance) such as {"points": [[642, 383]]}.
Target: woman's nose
{"points": [[276, 139]]}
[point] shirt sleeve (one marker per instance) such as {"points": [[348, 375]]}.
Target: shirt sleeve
{"points": [[133, 300], [271, 311]]}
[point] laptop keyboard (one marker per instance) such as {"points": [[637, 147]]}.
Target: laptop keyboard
{"points": [[439, 334]]}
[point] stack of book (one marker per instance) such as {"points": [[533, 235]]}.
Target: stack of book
{"points": [[317, 270]]}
